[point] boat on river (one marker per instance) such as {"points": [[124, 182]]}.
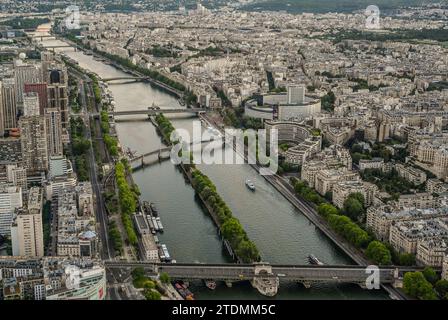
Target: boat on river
{"points": [[154, 211], [159, 223], [250, 185], [313, 260]]}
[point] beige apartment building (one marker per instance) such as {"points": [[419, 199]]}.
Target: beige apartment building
{"points": [[26, 230], [405, 236], [326, 179], [416, 176], [422, 200], [431, 252], [445, 268], [433, 152], [27, 234], [342, 190], [380, 219], [436, 186]]}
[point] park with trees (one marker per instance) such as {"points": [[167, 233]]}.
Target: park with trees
{"points": [[128, 201], [150, 288], [80, 147], [165, 127]]}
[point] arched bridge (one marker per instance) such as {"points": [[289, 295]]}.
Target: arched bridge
{"points": [[162, 154]]}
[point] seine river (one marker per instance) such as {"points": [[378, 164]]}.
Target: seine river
{"points": [[281, 233]]}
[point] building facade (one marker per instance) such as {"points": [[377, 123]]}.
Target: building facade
{"points": [[54, 132], [33, 137], [27, 229], [10, 200], [9, 104]]}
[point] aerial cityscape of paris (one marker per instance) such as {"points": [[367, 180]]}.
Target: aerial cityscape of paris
{"points": [[260, 150]]}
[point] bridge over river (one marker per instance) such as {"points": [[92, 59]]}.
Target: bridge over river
{"points": [[153, 112], [138, 162], [265, 277], [139, 77]]}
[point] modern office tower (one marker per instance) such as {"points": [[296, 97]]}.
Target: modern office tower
{"points": [[9, 112], [30, 104], [46, 58], [41, 90], [54, 131], [296, 94], [26, 230], [33, 137], [10, 200], [16, 176], [25, 73], [57, 94]]}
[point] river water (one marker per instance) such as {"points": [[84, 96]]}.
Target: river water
{"points": [[281, 233]]}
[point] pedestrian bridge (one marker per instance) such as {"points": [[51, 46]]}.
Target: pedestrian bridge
{"points": [[265, 277]]}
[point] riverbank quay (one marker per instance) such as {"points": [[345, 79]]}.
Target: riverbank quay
{"points": [[284, 187]]}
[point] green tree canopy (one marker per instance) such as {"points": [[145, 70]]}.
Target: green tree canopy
{"points": [[354, 206], [442, 289], [415, 285], [164, 277], [430, 275], [248, 251], [406, 259], [232, 228], [378, 253], [138, 273], [151, 294], [326, 209]]}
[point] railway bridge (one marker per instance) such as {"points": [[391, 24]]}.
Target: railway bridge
{"points": [[265, 277]]}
